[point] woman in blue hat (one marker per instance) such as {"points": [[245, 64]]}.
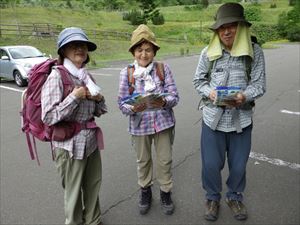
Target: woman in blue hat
{"points": [[77, 158]]}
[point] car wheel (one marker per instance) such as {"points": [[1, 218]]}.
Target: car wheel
{"points": [[19, 80]]}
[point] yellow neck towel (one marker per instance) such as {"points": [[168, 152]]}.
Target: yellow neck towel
{"points": [[242, 44]]}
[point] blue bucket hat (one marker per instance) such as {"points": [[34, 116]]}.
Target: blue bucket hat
{"points": [[71, 34]]}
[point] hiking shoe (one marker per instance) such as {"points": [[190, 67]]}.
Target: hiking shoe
{"points": [[145, 200], [166, 203], [212, 210], [238, 209]]}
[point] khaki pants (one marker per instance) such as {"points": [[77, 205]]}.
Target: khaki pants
{"points": [[81, 180], [163, 145]]}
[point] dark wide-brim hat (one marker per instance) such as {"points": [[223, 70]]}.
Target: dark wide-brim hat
{"points": [[140, 34], [71, 34], [229, 13]]}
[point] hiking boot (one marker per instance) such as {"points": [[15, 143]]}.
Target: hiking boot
{"points": [[212, 210], [166, 203], [238, 209], [145, 200]]}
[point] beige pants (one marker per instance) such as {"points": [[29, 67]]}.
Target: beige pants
{"points": [[81, 180], [163, 145]]}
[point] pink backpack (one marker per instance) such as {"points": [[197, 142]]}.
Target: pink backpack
{"points": [[31, 104]]}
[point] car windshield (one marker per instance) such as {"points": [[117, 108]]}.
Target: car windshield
{"points": [[25, 52]]}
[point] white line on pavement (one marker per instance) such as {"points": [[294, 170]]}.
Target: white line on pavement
{"points": [[12, 89], [277, 162], [101, 74], [111, 68], [289, 112]]}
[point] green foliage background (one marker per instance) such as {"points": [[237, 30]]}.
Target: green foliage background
{"points": [[184, 21]]}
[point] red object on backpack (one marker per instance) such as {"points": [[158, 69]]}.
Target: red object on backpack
{"points": [[31, 107]]}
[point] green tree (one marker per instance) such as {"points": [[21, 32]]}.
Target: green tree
{"points": [[289, 23], [149, 8], [69, 4]]}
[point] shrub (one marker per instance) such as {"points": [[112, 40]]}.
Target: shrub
{"points": [[289, 23], [253, 13], [204, 3], [282, 24], [265, 32], [158, 19], [135, 17], [273, 6], [293, 34], [126, 16]]}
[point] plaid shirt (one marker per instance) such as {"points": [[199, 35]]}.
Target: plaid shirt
{"points": [[150, 122], [235, 66], [56, 109]]}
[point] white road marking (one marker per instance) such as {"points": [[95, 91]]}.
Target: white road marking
{"points": [[111, 68], [277, 162], [101, 74], [290, 112], [12, 89]]}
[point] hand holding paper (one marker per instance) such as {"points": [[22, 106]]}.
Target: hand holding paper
{"points": [[151, 101], [228, 96]]}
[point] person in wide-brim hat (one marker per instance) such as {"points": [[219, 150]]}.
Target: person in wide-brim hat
{"points": [[70, 101], [140, 34], [151, 119], [229, 62], [72, 34], [229, 13]]}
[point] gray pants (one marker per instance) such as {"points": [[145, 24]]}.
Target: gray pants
{"points": [[81, 180], [163, 145]]}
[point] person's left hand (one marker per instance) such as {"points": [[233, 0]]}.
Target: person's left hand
{"points": [[237, 101], [96, 98], [157, 103]]}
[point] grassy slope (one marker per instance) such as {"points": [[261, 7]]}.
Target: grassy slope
{"points": [[180, 23]]}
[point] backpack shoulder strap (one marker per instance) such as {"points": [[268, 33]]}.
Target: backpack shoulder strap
{"points": [[160, 70], [130, 71], [67, 81], [211, 65], [248, 65]]}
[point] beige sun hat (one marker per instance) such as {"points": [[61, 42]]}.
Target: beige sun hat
{"points": [[229, 13], [140, 34]]}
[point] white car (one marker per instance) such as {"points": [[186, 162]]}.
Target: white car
{"points": [[16, 62]]}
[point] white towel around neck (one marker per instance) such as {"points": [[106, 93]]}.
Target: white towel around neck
{"points": [[144, 74], [82, 75]]}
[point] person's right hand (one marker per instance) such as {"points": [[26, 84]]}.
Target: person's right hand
{"points": [[212, 95], [139, 107], [79, 92]]}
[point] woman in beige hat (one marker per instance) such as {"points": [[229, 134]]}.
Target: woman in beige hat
{"points": [[151, 121]]}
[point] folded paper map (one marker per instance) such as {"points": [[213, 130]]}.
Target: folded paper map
{"points": [[137, 98], [225, 94]]}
